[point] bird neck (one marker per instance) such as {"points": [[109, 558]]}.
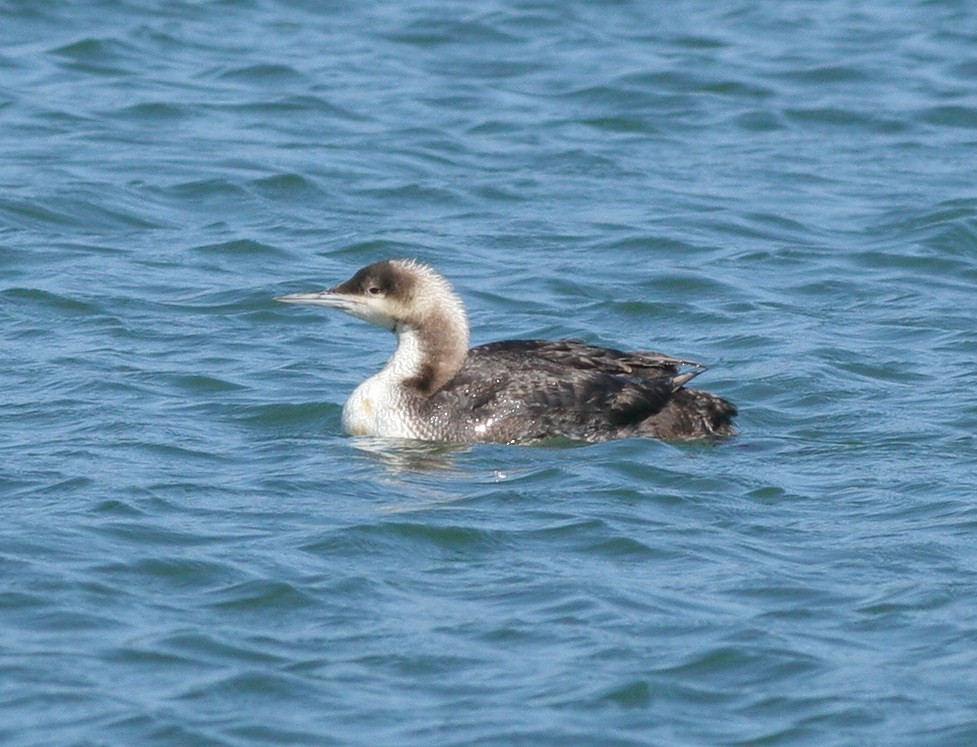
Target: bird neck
{"points": [[429, 353]]}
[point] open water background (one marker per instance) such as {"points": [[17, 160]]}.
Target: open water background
{"points": [[191, 553]]}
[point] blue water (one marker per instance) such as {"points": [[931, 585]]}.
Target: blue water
{"points": [[192, 553]]}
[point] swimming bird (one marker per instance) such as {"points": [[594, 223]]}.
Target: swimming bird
{"points": [[436, 388]]}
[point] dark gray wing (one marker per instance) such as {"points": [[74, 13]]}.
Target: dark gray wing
{"points": [[575, 354], [538, 388]]}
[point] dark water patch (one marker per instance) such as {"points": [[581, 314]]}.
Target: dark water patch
{"points": [[170, 574], [415, 193], [82, 216], [60, 485], [260, 596], [28, 214], [569, 530], [837, 117], [99, 56], [966, 69], [624, 548], [829, 75], [425, 666], [261, 734], [735, 666], [433, 32], [154, 113], [761, 121], [684, 284], [116, 507], [634, 694], [622, 125], [947, 229], [910, 268], [252, 685], [206, 189], [140, 533], [892, 605], [51, 301], [612, 98], [430, 540], [288, 187], [735, 89], [263, 74], [296, 104], [160, 729], [631, 245], [138, 656], [217, 647], [964, 117], [964, 733], [696, 41], [240, 248], [684, 81], [199, 383], [73, 621], [152, 448]]}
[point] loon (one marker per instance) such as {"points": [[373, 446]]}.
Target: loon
{"points": [[434, 388]]}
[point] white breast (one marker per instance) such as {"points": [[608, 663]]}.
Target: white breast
{"points": [[381, 406], [378, 408]]}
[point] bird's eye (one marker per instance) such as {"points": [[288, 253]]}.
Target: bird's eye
{"points": [[373, 290]]}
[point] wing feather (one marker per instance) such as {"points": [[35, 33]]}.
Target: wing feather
{"points": [[564, 385]]}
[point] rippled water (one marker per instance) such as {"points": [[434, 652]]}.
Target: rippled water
{"points": [[192, 553]]}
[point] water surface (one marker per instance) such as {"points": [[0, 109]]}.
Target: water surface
{"points": [[191, 552]]}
